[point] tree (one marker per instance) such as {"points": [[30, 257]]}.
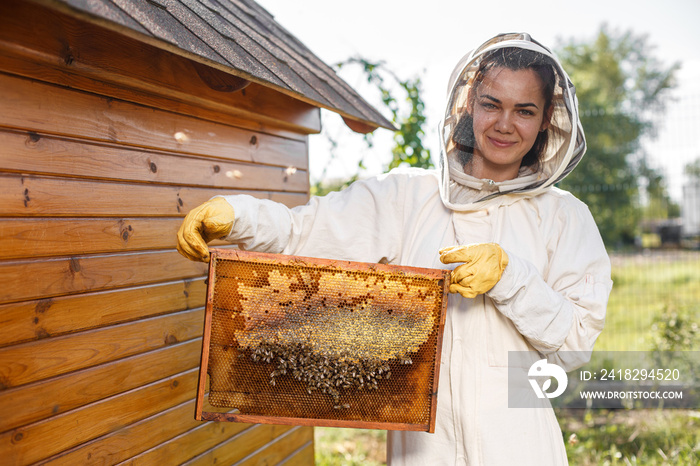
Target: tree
{"points": [[692, 169], [658, 204], [407, 114], [620, 84]]}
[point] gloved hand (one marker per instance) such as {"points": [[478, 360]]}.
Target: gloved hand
{"points": [[483, 266], [211, 220]]}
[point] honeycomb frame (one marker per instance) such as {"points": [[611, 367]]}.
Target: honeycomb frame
{"points": [[317, 342]]}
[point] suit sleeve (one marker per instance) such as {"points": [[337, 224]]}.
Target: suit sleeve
{"points": [[560, 315], [360, 223]]}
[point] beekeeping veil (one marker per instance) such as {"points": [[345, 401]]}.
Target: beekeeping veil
{"points": [[564, 139]]}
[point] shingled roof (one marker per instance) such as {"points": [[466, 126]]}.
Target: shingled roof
{"points": [[238, 37]]}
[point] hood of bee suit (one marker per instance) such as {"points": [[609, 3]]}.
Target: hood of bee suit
{"points": [[565, 147]]}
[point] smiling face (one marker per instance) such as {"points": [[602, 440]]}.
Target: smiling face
{"points": [[508, 110]]}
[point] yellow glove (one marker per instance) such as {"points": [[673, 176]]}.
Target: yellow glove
{"points": [[211, 220], [483, 266]]}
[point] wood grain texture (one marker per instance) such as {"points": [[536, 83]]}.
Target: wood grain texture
{"points": [[29, 105], [37, 153], [130, 440], [29, 196], [46, 237], [189, 444], [40, 440], [41, 400], [239, 447], [281, 448], [304, 456], [43, 318], [310, 422], [38, 279], [203, 381], [29, 362]]}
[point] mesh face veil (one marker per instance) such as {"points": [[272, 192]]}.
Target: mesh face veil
{"points": [[556, 151]]}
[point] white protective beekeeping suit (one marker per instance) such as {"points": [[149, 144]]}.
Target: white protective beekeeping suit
{"points": [[550, 300]]}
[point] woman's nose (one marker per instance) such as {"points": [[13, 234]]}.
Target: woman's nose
{"points": [[504, 124]]}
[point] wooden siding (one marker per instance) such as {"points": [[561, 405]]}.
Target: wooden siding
{"points": [[100, 317]]}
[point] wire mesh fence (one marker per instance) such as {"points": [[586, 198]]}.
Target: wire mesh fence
{"points": [[655, 302]]}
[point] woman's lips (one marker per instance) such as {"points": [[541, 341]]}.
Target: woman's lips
{"points": [[501, 144]]}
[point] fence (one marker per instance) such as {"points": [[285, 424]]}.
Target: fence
{"points": [[655, 302]]}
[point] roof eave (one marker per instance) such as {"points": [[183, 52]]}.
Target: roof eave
{"points": [[355, 121]]}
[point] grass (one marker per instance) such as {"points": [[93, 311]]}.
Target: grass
{"points": [[631, 437], [646, 287], [350, 447]]}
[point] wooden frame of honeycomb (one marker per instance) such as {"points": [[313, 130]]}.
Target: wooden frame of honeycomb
{"points": [[306, 341]]}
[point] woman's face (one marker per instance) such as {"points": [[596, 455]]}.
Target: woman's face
{"points": [[508, 112]]}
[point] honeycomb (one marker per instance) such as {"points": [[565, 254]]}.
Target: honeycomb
{"points": [[341, 343]]}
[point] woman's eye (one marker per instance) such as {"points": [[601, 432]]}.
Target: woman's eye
{"points": [[527, 112], [488, 105]]}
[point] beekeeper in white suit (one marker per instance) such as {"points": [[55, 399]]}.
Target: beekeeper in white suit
{"points": [[531, 271]]}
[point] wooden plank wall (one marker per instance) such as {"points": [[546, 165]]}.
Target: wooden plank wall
{"points": [[100, 317]]}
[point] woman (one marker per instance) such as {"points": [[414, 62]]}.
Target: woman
{"points": [[532, 274]]}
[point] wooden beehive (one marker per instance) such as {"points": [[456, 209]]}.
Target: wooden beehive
{"points": [[297, 340], [116, 119]]}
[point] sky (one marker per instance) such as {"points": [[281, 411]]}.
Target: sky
{"points": [[427, 38]]}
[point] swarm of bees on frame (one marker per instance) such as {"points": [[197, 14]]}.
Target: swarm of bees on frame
{"points": [[327, 332], [321, 372]]}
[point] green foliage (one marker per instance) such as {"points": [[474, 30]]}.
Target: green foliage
{"points": [[350, 447], [407, 114], [620, 84], [676, 329], [645, 287], [321, 187], [674, 336], [692, 169], [658, 203], [408, 139], [631, 437]]}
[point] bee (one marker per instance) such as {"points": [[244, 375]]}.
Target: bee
{"points": [[323, 372]]}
